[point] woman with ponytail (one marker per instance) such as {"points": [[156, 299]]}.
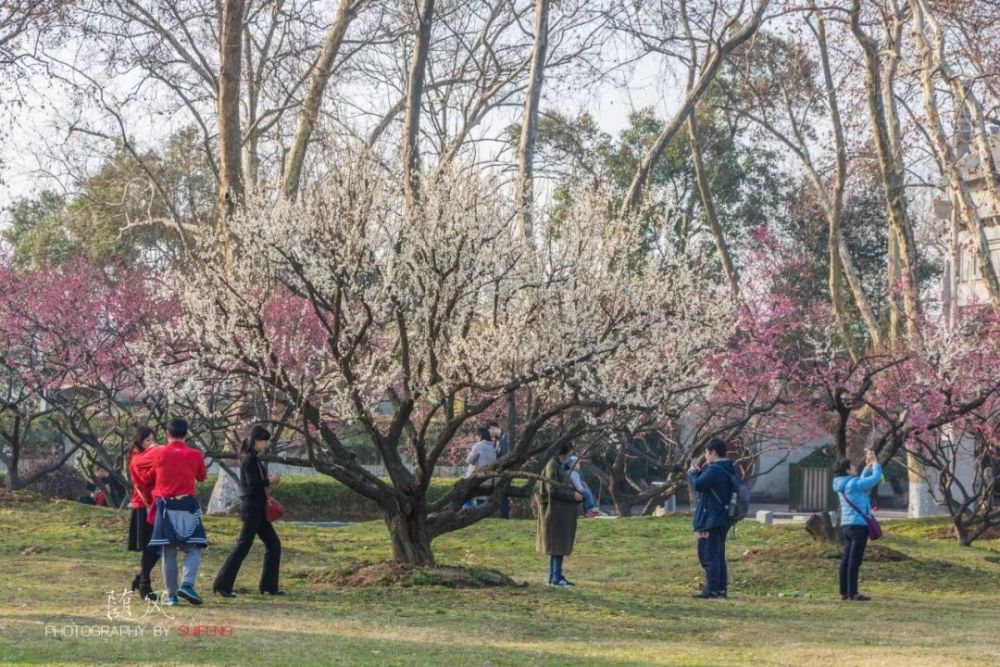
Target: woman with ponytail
{"points": [[253, 481], [139, 530]]}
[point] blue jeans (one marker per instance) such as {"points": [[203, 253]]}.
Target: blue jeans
{"points": [[555, 569], [712, 555], [588, 500]]}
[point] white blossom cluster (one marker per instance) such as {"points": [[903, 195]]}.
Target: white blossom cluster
{"points": [[350, 297]]}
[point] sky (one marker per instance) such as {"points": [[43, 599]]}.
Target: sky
{"points": [[44, 117]]}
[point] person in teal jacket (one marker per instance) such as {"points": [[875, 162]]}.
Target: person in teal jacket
{"points": [[855, 504]]}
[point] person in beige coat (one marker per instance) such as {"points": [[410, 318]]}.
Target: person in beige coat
{"points": [[556, 503]]}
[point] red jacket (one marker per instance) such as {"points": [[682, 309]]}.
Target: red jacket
{"points": [[174, 469], [142, 479]]}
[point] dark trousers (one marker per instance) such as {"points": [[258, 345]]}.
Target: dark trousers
{"points": [[147, 563], [855, 541], [254, 524], [504, 507], [555, 568], [712, 556]]}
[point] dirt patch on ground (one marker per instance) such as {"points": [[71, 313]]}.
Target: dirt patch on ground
{"points": [[948, 533], [794, 552], [21, 497], [940, 533], [876, 553], [405, 576], [990, 534], [882, 554]]}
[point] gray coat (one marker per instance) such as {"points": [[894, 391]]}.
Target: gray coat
{"points": [[557, 511]]}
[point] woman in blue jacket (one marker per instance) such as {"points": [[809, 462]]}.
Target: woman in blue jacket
{"points": [[853, 489]]}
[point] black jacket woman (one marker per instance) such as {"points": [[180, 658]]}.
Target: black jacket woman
{"points": [[253, 481]]}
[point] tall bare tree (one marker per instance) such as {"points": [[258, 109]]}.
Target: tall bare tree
{"points": [[524, 195], [719, 45], [701, 177], [883, 118], [929, 38], [785, 99], [414, 94], [322, 71]]}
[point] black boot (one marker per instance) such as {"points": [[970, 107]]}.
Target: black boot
{"points": [[146, 590], [135, 582]]}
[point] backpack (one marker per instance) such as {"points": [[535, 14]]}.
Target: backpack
{"points": [[739, 503]]}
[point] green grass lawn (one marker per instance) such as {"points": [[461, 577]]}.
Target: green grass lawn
{"points": [[631, 605]]}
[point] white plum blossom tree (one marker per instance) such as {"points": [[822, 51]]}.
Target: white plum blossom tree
{"points": [[348, 300]]}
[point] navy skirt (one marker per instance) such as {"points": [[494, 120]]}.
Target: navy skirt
{"points": [[178, 522]]}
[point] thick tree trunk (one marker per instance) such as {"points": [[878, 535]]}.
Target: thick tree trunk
{"points": [[13, 481], [225, 494], [932, 62], [658, 500], [878, 91], [821, 528], [836, 293], [843, 415], [525, 195], [230, 133], [921, 503], [832, 200], [411, 541], [962, 532], [314, 98], [967, 102], [892, 279], [12, 463], [414, 95], [621, 502]]}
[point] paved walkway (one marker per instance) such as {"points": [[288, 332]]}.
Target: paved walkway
{"points": [[779, 508], [882, 513]]}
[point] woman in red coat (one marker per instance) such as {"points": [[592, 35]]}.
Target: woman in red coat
{"points": [[140, 530]]}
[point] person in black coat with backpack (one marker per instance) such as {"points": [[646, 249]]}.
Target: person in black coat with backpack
{"points": [[253, 481], [714, 485]]}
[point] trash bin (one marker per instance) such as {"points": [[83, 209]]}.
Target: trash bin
{"points": [[810, 483]]}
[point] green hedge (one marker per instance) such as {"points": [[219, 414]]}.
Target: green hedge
{"points": [[322, 498]]}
